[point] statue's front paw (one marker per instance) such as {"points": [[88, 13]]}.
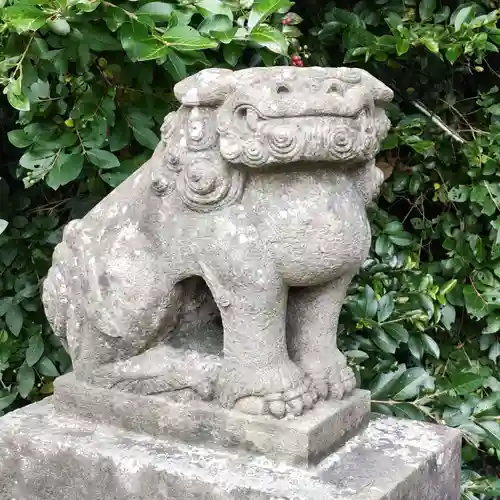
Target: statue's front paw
{"points": [[280, 404], [333, 379], [279, 390]]}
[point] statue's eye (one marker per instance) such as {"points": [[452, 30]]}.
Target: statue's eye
{"points": [[335, 88], [282, 89]]}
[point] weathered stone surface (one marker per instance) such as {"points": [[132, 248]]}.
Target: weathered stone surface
{"points": [[48, 456], [296, 440], [252, 207]]}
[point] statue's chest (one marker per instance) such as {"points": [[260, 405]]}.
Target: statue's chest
{"points": [[316, 230]]}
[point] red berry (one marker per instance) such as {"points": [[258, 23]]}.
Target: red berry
{"points": [[284, 21], [294, 63], [295, 58], [300, 63]]}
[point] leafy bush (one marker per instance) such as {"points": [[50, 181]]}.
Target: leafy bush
{"points": [[91, 81], [423, 316]]}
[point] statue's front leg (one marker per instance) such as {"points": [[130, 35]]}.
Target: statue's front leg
{"points": [[257, 375], [313, 315]]}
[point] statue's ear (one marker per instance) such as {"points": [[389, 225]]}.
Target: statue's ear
{"points": [[381, 93], [209, 87]]}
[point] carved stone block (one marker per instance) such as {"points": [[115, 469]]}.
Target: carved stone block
{"points": [[48, 456], [299, 441]]}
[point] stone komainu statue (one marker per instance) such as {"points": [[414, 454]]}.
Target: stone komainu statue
{"points": [[258, 190]]}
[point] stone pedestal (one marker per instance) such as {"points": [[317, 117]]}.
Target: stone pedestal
{"points": [[47, 455], [300, 440]]}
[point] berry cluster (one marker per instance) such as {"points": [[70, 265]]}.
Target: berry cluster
{"points": [[297, 61], [288, 19]]}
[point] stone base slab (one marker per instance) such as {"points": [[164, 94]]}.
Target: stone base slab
{"points": [[46, 456], [300, 440]]}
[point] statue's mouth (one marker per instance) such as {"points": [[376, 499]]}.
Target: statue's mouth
{"points": [[251, 116], [313, 136], [337, 128]]}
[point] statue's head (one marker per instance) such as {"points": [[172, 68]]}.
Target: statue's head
{"points": [[262, 117]]}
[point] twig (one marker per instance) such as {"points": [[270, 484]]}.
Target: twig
{"points": [[421, 107]]}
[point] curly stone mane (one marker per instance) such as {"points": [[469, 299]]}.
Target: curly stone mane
{"points": [[229, 120]]}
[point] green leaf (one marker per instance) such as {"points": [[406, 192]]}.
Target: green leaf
{"points": [[476, 305], [383, 341], [102, 159], [40, 90], [426, 8], [416, 346], [140, 44], [357, 355], [215, 23], [25, 380], [14, 319], [442, 14], [410, 383], [232, 53], [427, 304], [7, 400], [5, 305], [24, 17], [262, 9], [492, 429], [18, 101], [186, 38], [397, 331], [370, 302], [453, 53], [66, 169], [176, 66], [430, 345], [270, 38], [383, 246], [159, 11], [383, 383], [225, 36], [120, 136], [210, 7], [462, 15], [46, 367], [145, 137], [402, 239], [19, 138], [459, 193], [291, 31], [393, 227], [494, 110], [465, 383], [402, 46], [116, 176], [3, 225], [35, 349], [494, 351], [385, 307], [431, 44], [59, 26]]}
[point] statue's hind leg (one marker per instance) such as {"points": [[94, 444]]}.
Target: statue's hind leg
{"points": [[137, 357], [125, 303]]}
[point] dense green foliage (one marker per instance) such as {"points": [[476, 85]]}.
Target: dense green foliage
{"points": [[423, 317], [88, 82]]}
